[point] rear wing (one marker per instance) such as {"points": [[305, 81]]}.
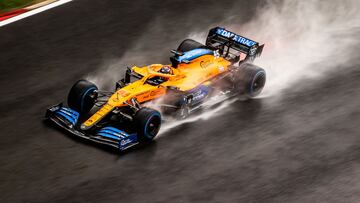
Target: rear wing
{"points": [[224, 40]]}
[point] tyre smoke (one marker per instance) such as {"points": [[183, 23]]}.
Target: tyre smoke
{"points": [[209, 113], [298, 37], [301, 35], [304, 40]]}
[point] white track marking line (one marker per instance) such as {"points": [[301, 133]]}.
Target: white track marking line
{"points": [[33, 12]]}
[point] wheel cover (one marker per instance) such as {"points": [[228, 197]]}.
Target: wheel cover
{"points": [[153, 126], [258, 82]]}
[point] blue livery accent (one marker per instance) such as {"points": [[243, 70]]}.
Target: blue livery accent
{"points": [[68, 114], [108, 135], [69, 118], [112, 132], [200, 93], [127, 142], [193, 54], [235, 37], [115, 130], [70, 111]]}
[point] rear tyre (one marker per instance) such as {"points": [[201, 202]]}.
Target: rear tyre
{"points": [[189, 44], [252, 80], [148, 123], [81, 97]]}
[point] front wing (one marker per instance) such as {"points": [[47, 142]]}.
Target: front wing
{"points": [[67, 119]]}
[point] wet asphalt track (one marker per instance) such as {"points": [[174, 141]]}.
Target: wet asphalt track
{"points": [[305, 149]]}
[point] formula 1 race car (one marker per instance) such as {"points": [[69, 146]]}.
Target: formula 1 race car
{"points": [[198, 75]]}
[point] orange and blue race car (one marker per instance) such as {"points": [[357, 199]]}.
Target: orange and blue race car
{"points": [[199, 75]]}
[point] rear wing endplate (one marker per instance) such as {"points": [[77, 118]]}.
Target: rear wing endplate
{"points": [[222, 39]]}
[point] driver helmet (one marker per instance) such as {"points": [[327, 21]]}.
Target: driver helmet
{"points": [[165, 70]]}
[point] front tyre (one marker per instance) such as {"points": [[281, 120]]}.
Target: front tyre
{"points": [[147, 122], [252, 80], [81, 97]]}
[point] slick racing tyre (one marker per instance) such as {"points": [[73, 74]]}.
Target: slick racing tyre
{"points": [[252, 80], [189, 44], [81, 97], [147, 122]]}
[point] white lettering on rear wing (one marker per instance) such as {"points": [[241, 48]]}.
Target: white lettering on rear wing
{"points": [[235, 37]]}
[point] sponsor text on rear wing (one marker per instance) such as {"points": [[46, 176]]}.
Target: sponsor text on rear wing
{"points": [[222, 39]]}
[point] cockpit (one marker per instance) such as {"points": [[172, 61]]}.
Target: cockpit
{"points": [[159, 79]]}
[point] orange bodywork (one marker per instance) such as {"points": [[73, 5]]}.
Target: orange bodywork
{"points": [[185, 77]]}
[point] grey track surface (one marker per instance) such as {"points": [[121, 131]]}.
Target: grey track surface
{"points": [[306, 149]]}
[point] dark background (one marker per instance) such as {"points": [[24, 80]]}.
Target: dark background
{"points": [[304, 149]]}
